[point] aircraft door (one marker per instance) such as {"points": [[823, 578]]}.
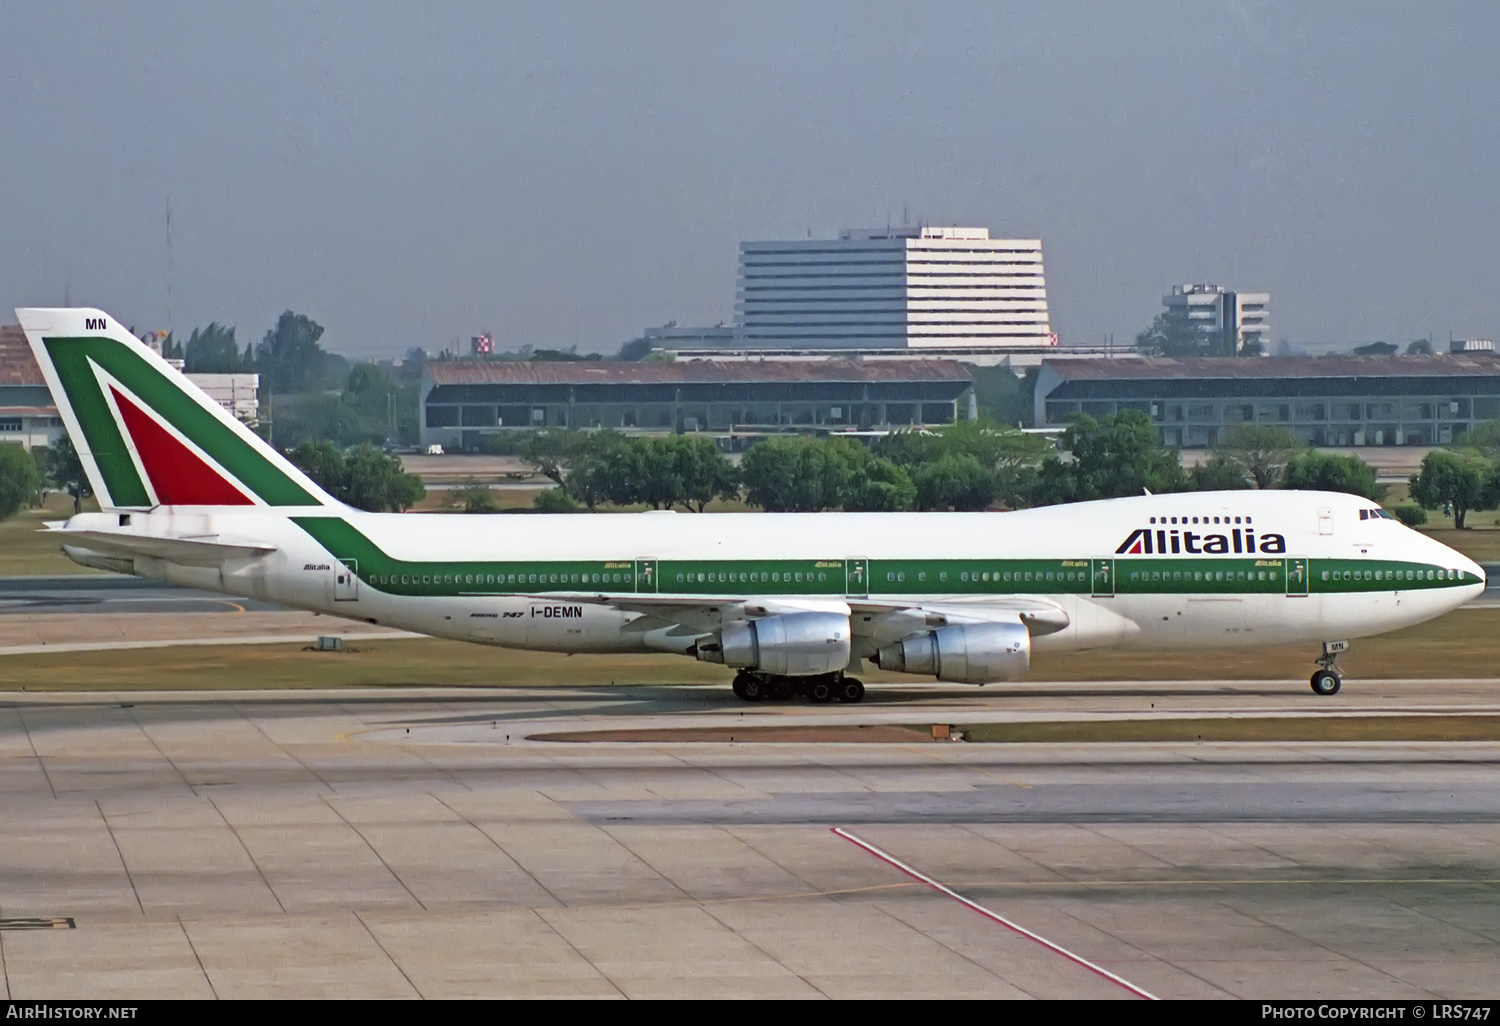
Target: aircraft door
{"points": [[1103, 574], [645, 576], [857, 578], [346, 581], [1325, 520], [1296, 577]]}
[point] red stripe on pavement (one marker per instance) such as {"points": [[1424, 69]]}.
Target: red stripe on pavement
{"points": [[890, 859]]}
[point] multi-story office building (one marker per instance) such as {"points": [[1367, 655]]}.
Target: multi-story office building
{"points": [[950, 293], [1327, 400], [940, 290], [1210, 320]]}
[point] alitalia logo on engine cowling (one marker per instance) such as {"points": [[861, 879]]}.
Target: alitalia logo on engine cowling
{"points": [[1163, 541]]}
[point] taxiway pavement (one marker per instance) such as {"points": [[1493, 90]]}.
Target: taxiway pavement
{"points": [[113, 593], [413, 843]]}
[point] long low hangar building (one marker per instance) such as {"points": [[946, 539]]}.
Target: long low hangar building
{"points": [[464, 400], [1326, 400]]}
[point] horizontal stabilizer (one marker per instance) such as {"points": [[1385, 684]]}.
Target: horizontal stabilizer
{"points": [[206, 551]]}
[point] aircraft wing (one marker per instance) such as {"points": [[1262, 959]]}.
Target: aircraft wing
{"points": [[1040, 615], [875, 618], [205, 551]]}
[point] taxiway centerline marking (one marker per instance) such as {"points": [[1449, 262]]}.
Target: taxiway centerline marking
{"points": [[916, 874]]}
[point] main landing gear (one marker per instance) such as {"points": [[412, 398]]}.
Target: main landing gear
{"points": [[755, 686], [1328, 680]]}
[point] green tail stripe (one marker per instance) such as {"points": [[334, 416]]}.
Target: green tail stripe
{"points": [[105, 443], [829, 577], [71, 357]]}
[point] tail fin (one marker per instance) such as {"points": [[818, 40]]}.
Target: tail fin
{"points": [[147, 436]]}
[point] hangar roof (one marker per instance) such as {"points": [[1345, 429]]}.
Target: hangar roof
{"points": [[17, 365], [625, 372], [1200, 368]]}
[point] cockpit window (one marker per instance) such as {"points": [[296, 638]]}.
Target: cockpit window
{"points": [[1375, 514]]}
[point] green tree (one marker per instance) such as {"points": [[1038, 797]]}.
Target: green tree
{"points": [[1010, 454], [1218, 474], [880, 487], [364, 477], [1460, 480], [957, 481], [1410, 514], [635, 349], [1113, 457], [170, 348], [474, 496], [603, 467], [1311, 470], [324, 463], [387, 408], [412, 362], [289, 358], [317, 416], [1485, 439], [213, 350], [913, 447], [554, 500], [1155, 339], [62, 469], [378, 482], [20, 481], [554, 452], [800, 475], [658, 471], [1419, 347], [1261, 451], [1002, 397], [699, 469]]}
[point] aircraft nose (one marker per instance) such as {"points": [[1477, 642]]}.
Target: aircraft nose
{"points": [[1473, 573]]}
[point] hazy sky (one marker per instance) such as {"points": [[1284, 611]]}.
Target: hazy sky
{"points": [[566, 173]]}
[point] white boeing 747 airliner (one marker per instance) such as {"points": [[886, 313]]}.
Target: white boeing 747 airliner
{"points": [[794, 602]]}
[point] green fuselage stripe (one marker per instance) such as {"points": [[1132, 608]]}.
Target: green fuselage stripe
{"points": [[1207, 575]]}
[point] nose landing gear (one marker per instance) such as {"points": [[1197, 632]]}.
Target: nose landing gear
{"points": [[1328, 680]]}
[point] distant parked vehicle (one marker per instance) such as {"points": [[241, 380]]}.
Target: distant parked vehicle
{"points": [[434, 450]]}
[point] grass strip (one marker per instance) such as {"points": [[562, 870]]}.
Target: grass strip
{"points": [[1465, 643], [1240, 728], [861, 733]]}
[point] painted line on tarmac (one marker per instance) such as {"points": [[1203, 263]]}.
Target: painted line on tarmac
{"points": [[915, 874], [263, 639]]}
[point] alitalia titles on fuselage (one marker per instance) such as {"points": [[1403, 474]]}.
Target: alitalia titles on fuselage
{"points": [[1164, 541]]}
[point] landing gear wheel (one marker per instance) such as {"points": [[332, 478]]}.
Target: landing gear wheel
{"points": [[780, 689], [820, 692], [750, 688], [1326, 682], [851, 690]]}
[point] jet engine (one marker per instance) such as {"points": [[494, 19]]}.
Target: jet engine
{"points": [[790, 644], [971, 654]]}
